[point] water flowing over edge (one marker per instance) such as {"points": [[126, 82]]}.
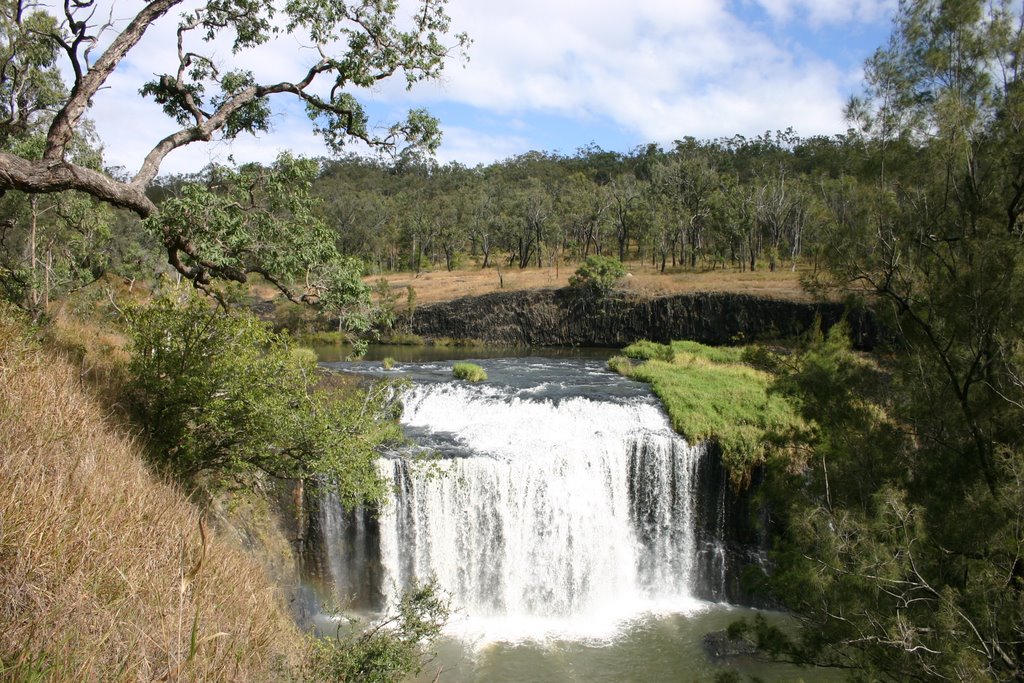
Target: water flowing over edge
{"points": [[544, 519]]}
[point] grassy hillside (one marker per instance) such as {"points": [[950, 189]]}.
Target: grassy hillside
{"points": [[710, 393], [106, 572]]}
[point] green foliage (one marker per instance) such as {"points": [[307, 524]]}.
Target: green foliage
{"points": [[224, 400], [361, 46], [621, 365], [702, 205], [304, 356], [598, 275], [386, 299], [876, 531], [391, 650], [228, 222], [54, 244], [647, 350], [31, 85], [710, 394], [905, 517], [471, 372]]}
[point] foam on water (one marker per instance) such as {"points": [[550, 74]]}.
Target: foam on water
{"points": [[552, 514]]}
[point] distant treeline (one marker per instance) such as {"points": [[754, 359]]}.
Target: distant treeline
{"points": [[749, 203], [761, 202]]}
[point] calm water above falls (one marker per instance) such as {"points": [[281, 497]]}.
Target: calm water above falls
{"points": [[560, 516]]}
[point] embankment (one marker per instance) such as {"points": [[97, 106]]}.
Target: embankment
{"points": [[107, 572], [561, 317]]}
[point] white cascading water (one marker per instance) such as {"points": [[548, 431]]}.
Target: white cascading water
{"points": [[556, 517]]}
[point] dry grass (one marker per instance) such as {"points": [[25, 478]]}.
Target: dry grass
{"points": [[643, 280], [106, 572]]}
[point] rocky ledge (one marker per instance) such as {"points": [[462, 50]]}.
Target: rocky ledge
{"points": [[562, 317]]}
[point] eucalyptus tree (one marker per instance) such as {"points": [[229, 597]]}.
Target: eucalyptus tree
{"points": [[482, 213], [686, 179], [583, 208], [352, 46], [627, 194], [31, 88], [52, 244], [779, 210], [531, 209]]}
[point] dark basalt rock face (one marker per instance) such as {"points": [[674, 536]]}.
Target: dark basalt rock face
{"points": [[563, 317], [732, 535]]}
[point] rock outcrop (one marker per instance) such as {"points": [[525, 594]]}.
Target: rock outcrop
{"points": [[564, 318]]}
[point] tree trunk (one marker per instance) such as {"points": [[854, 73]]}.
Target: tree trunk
{"points": [[33, 292]]}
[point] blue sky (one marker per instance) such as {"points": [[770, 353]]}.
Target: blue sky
{"points": [[556, 75]]}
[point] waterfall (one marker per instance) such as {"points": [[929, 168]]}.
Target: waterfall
{"points": [[541, 509]]}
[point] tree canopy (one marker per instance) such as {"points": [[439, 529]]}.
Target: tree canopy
{"points": [[224, 400], [902, 544], [353, 45]]}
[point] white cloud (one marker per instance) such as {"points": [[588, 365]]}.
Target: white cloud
{"points": [[469, 147], [656, 70], [819, 12]]}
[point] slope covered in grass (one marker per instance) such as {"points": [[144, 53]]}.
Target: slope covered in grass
{"points": [[105, 571]]}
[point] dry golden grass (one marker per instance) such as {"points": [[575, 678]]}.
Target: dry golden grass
{"points": [[105, 573], [643, 280]]}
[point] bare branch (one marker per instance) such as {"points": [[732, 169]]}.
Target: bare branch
{"points": [[64, 123]]}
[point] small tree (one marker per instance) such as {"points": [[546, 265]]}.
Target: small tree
{"points": [[393, 649], [598, 276], [224, 399]]}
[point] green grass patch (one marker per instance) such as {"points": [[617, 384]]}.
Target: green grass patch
{"points": [[621, 365], [403, 339], [471, 372], [457, 342], [715, 354], [320, 338], [710, 394], [648, 350]]}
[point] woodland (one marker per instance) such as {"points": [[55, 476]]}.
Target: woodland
{"points": [[898, 488]]}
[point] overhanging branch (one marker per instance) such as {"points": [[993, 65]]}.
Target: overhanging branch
{"points": [[55, 175]]}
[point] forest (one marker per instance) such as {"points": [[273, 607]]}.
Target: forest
{"points": [[739, 204], [897, 494]]}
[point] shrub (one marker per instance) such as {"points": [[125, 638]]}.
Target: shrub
{"points": [[621, 365], [304, 355], [648, 350], [394, 649], [388, 363], [598, 275], [471, 372], [225, 399]]}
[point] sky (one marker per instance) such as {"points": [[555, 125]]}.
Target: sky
{"points": [[559, 75]]}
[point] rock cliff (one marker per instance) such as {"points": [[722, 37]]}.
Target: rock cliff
{"points": [[562, 317]]}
